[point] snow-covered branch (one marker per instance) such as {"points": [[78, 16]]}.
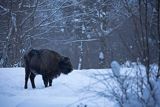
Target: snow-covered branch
{"points": [[63, 18], [56, 10], [5, 10], [86, 40], [31, 14], [52, 9]]}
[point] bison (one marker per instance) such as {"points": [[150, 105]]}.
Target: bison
{"points": [[47, 63]]}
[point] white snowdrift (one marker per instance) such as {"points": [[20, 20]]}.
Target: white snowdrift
{"points": [[65, 92]]}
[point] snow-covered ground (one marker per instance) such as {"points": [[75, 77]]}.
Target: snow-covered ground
{"points": [[67, 90]]}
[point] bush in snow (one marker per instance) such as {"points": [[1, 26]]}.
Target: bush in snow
{"points": [[128, 87]]}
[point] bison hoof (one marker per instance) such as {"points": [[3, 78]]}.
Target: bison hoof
{"points": [[25, 87]]}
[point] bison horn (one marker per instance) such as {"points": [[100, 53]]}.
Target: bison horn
{"points": [[65, 59]]}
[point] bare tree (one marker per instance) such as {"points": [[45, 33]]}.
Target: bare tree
{"points": [[139, 84]]}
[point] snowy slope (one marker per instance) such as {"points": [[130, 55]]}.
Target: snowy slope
{"points": [[65, 92]]}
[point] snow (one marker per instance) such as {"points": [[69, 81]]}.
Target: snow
{"points": [[13, 15], [65, 92], [62, 29], [76, 20], [83, 29], [101, 55], [88, 36], [130, 46], [80, 63], [115, 68], [81, 88]]}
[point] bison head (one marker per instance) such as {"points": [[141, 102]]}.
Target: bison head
{"points": [[65, 65]]}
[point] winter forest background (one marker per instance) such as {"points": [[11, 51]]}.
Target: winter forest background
{"points": [[91, 32]]}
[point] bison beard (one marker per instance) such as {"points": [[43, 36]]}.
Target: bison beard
{"points": [[47, 63]]}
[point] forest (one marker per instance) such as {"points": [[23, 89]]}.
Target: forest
{"points": [[92, 33]]}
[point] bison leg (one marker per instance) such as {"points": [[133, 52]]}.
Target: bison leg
{"points": [[27, 73], [45, 80], [50, 82], [32, 76]]}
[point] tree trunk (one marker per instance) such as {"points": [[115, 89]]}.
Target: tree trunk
{"points": [[158, 30]]}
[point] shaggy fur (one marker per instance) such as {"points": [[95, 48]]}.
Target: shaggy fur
{"points": [[47, 63]]}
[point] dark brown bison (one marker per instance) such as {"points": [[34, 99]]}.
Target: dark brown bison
{"points": [[48, 63]]}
